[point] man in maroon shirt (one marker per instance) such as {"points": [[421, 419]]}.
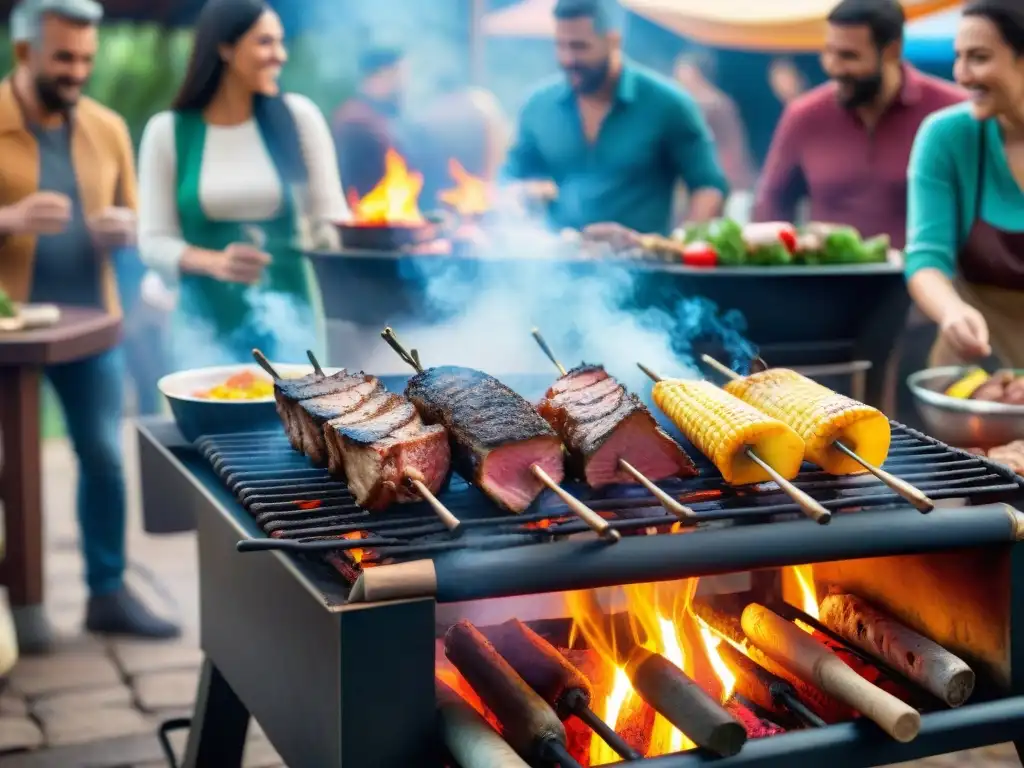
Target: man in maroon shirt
{"points": [[846, 144]]}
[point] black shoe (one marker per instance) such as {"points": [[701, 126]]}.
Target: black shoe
{"points": [[122, 613]]}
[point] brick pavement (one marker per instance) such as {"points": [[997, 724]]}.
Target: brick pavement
{"points": [[98, 703]]}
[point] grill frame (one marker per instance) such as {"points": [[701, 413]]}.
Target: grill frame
{"points": [[352, 684]]}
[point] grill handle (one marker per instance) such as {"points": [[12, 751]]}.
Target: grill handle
{"points": [[794, 649]]}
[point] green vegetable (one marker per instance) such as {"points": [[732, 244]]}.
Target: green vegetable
{"points": [[726, 237], [843, 246], [774, 255], [7, 308], [876, 250]]}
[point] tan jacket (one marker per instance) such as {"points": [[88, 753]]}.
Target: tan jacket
{"points": [[101, 150]]}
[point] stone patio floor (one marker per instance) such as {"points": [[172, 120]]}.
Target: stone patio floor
{"points": [[96, 704]]}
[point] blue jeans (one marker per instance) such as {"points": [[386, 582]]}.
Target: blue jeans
{"points": [[91, 394]]}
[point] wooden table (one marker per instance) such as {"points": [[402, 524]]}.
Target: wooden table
{"points": [[81, 333]]}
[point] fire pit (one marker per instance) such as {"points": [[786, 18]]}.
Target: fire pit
{"points": [[353, 614], [388, 217]]}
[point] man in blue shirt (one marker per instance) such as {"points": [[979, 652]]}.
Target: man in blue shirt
{"points": [[614, 139]]}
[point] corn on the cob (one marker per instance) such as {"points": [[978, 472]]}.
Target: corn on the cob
{"points": [[820, 416], [722, 427], [965, 387]]}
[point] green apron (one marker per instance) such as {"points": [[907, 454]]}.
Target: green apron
{"points": [[219, 323]]}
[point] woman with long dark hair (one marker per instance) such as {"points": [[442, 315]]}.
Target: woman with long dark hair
{"points": [[226, 177], [965, 237]]}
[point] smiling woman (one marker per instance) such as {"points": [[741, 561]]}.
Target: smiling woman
{"points": [[227, 238], [965, 235]]}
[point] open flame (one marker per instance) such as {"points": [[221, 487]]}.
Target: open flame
{"points": [[803, 575], [395, 199], [471, 195], [355, 554]]}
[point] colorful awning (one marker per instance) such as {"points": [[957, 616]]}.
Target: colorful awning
{"points": [[765, 25], [775, 25]]}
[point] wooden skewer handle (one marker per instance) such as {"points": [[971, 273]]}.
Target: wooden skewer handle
{"points": [[451, 522], [261, 359], [315, 363], [916, 497], [547, 350], [794, 649], [807, 505], [471, 739], [673, 506], [596, 523], [720, 367]]}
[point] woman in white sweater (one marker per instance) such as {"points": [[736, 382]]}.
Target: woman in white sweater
{"points": [[225, 179]]}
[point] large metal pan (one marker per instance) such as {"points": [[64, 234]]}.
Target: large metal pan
{"points": [[965, 423]]}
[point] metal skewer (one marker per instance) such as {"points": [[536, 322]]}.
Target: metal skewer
{"points": [[261, 359], [916, 497], [809, 506], [593, 520], [315, 363], [673, 506]]}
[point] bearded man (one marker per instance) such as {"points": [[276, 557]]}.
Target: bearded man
{"points": [[610, 140], [845, 145], [67, 200]]}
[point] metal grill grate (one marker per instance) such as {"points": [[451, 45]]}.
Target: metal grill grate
{"points": [[303, 509]]}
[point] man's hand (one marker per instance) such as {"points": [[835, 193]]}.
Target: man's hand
{"points": [[113, 228], [240, 263], [41, 213]]}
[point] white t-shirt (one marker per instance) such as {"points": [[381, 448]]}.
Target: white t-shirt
{"points": [[238, 181]]}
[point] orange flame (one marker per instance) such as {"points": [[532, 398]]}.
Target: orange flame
{"points": [[657, 613], [355, 554], [471, 195], [395, 199], [803, 575], [722, 670]]}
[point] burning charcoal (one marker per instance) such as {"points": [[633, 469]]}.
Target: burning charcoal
{"points": [[756, 727], [865, 669]]}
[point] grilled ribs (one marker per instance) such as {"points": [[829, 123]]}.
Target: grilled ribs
{"points": [[372, 438], [315, 412], [496, 435], [288, 393], [600, 423]]}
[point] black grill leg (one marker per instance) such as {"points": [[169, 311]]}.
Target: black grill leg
{"points": [[219, 725]]}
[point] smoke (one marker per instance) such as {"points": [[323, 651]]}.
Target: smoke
{"points": [[585, 312]]}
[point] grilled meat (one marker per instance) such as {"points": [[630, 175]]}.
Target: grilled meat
{"points": [[288, 393], [315, 412], [380, 452], [496, 435], [370, 408], [600, 423]]}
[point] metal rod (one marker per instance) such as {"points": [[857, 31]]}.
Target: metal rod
{"points": [[596, 523], [791, 702], [914, 495], [679, 510], [558, 754], [410, 357], [611, 738], [918, 499], [261, 359], [808, 506], [547, 351], [315, 363]]}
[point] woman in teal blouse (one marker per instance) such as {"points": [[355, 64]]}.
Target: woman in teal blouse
{"points": [[965, 238]]}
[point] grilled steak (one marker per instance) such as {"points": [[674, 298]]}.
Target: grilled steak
{"points": [[288, 393], [600, 423], [496, 435], [379, 453], [315, 412], [370, 408]]}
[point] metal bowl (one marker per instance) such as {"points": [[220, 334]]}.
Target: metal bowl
{"points": [[964, 423], [197, 416]]}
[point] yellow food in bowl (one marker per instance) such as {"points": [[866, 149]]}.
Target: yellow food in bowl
{"points": [[241, 386]]}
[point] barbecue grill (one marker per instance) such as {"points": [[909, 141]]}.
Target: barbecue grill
{"points": [[330, 640]]}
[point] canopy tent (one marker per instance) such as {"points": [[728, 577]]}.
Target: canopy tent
{"points": [[775, 25], [781, 25], [931, 38]]}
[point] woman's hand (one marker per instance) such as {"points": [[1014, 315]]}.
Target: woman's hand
{"points": [[964, 329], [240, 263]]}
